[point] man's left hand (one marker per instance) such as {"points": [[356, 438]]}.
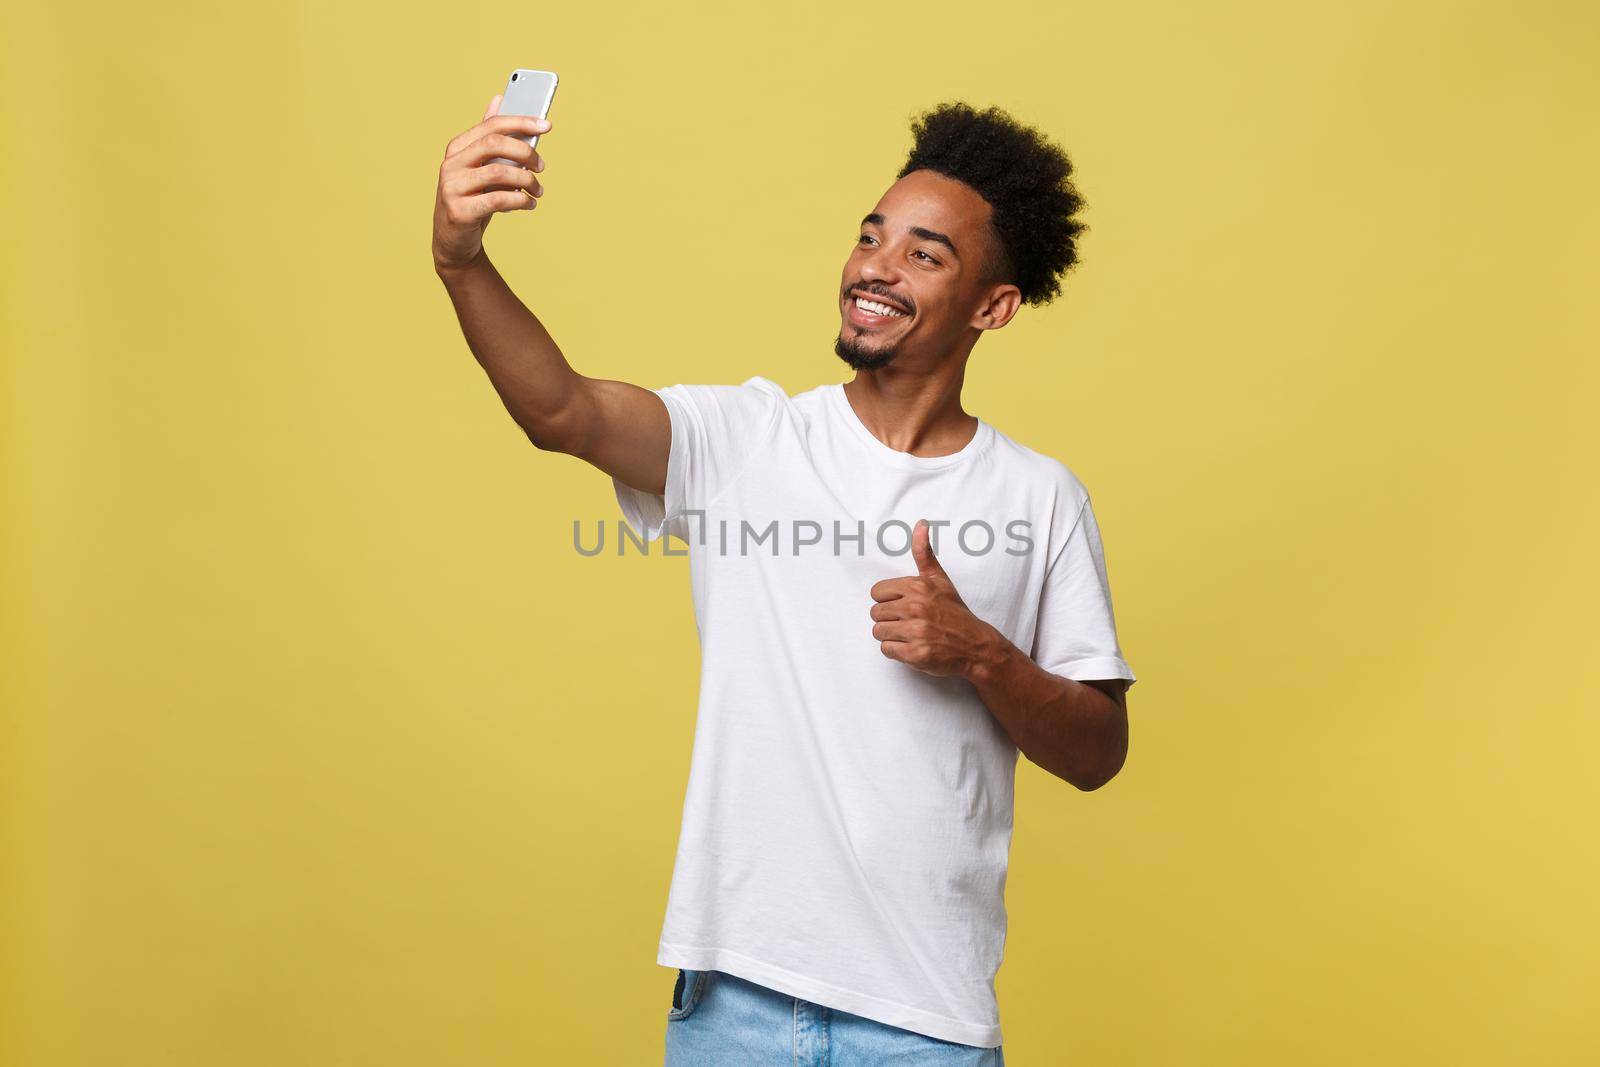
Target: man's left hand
{"points": [[922, 621]]}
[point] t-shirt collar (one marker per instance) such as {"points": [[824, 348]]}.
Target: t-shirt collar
{"points": [[847, 414]]}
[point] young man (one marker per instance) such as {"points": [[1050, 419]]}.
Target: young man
{"points": [[893, 599]]}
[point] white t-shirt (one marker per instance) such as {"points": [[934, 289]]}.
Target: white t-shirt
{"points": [[847, 822]]}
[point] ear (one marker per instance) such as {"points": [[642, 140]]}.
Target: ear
{"points": [[998, 307]]}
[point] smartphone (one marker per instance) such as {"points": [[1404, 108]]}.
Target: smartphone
{"points": [[528, 92]]}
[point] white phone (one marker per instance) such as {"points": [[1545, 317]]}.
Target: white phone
{"points": [[528, 92]]}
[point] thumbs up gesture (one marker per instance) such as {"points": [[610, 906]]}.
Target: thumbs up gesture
{"points": [[922, 621]]}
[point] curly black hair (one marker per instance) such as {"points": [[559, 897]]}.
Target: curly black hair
{"points": [[1027, 181]]}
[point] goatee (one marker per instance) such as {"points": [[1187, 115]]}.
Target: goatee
{"points": [[862, 358]]}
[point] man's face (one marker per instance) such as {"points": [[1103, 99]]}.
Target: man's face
{"points": [[922, 251]]}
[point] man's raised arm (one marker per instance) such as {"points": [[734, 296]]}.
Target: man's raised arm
{"points": [[620, 428]]}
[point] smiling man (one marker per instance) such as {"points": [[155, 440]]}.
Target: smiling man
{"points": [[894, 598]]}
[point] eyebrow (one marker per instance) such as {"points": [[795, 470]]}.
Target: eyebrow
{"points": [[916, 231]]}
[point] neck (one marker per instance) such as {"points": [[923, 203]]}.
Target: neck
{"points": [[917, 412]]}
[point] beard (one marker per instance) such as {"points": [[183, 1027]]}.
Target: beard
{"points": [[860, 357]]}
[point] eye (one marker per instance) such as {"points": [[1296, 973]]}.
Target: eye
{"points": [[864, 237], [920, 252]]}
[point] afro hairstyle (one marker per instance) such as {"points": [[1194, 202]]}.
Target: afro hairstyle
{"points": [[1026, 180]]}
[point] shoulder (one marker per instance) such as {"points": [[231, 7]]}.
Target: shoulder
{"points": [[752, 392], [1041, 473], [748, 405], [756, 385], [766, 402]]}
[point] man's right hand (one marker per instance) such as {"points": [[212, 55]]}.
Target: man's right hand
{"points": [[471, 189]]}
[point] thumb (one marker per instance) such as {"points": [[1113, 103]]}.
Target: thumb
{"points": [[494, 105], [922, 551]]}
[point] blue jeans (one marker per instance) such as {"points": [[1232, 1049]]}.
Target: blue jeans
{"points": [[721, 1020]]}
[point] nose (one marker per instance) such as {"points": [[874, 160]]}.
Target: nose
{"points": [[875, 267]]}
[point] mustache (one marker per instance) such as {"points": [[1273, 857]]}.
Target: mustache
{"points": [[888, 294]]}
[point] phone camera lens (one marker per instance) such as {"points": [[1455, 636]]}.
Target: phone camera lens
{"points": [[513, 77]]}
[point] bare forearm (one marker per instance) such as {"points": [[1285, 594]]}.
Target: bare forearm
{"points": [[1071, 729], [620, 428], [535, 382]]}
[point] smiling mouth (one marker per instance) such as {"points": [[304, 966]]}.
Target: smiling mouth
{"points": [[866, 311]]}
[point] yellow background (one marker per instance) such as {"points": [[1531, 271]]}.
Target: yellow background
{"points": [[323, 746]]}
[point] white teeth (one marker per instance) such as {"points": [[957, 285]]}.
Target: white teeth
{"points": [[878, 309]]}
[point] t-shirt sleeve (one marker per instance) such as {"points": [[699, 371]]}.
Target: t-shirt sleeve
{"points": [[716, 431], [1076, 636]]}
